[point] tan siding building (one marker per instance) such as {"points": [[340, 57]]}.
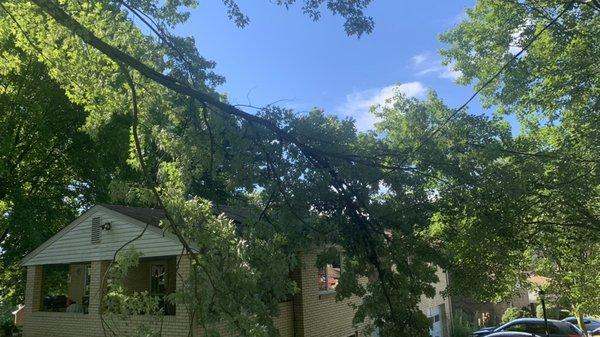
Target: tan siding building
{"points": [[439, 308]]}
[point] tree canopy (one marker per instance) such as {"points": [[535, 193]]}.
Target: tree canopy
{"points": [[297, 175], [128, 112], [46, 170], [552, 88]]}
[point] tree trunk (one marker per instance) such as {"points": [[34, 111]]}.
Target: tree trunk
{"points": [[580, 321]]}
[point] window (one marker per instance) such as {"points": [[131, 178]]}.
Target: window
{"points": [[540, 328], [536, 328], [516, 327], [158, 279], [159, 287], [573, 320], [329, 274], [434, 319]]}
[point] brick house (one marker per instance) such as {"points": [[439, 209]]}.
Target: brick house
{"points": [[80, 254]]}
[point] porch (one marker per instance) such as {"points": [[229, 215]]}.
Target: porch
{"points": [[65, 299], [67, 287]]}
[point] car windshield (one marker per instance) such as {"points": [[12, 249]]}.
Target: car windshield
{"points": [[530, 327], [586, 320]]}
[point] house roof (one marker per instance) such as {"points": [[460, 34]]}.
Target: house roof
{"points": [[151, 216], [235, 214], [140, 216]]}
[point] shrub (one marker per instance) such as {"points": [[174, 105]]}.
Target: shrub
{"points": [[7, 326], [514, 313], [460, 325], [552, 311]]}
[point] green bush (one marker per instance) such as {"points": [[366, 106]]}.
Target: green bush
{"points": [[460, 325], [6, 320], [7, 325], [552, 311], [514, 313], [8, 328]]}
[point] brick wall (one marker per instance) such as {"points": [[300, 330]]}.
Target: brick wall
{"points": [[138, 278], [475, 311], [33, 289], [319, 314]]}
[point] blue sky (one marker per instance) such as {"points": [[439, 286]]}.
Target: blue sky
{"points": [[283, 55]]}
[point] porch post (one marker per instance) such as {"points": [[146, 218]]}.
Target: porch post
{"points": [[182, 281], [33, 289], [97, 271]]}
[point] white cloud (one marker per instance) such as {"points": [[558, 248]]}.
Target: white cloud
{"points": [[358, 104], [428, 70], [450, 73], [430, 64], [419, 58]]}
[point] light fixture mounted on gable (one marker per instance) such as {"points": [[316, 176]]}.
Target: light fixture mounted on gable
{"points": [[106, 226]]}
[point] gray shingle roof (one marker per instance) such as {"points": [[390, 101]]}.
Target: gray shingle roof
{"points": [[152, 216]]}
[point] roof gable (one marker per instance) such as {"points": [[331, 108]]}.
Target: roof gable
{"points": [[73, 243]]}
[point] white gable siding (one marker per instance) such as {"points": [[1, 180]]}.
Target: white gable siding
{"points": [[75, 245]]}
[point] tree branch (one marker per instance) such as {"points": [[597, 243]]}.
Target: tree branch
{"points": [[4, 235], [362, 236]]}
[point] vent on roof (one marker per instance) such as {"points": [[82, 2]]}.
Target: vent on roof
{"points": [[96, 229]]}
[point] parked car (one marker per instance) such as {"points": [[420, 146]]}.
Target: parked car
{"points": [[535, 326], [484, 331], [512, 334], [591, 324]]}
